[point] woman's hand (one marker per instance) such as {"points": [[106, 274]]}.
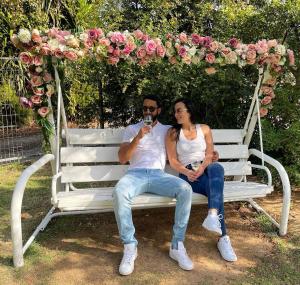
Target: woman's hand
{"points": [[191, 175], [199, 171]]}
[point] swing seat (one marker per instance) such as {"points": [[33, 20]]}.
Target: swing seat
{"points": [[90, 169]]}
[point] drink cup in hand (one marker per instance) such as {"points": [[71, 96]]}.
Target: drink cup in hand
{"points": [[195, 165], [148, 120]]}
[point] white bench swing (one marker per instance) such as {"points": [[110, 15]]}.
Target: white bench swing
{"points": [[90, 155]]}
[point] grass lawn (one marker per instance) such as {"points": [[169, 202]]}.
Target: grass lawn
{"points": [[68, 250]]}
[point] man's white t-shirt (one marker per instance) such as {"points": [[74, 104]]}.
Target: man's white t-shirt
{"points": [[151, 151]]}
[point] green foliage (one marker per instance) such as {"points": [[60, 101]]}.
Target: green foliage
{"points": [[282, 130], [8, 96]]}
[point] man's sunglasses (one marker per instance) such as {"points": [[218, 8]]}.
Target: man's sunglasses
{"points": [[151, 109]]}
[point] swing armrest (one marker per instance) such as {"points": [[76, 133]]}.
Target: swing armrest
{"points": [[266, 169]]}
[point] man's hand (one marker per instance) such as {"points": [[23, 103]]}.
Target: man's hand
{"points": [[215, 156], [143, 131]]}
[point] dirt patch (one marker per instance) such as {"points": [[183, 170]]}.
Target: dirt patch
{"points": [[87, 250]]}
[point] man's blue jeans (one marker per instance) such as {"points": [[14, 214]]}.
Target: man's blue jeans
{"points": [[211, 184], [156, 181]]}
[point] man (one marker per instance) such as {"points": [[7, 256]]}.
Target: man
{"points": [[144, 147]]}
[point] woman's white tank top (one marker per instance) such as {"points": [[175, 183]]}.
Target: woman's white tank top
{"points": [[189, 151]]}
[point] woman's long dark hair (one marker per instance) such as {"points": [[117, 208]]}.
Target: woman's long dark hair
{"points": [[190, 109]]}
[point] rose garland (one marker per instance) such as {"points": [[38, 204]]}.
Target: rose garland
{"points": [[137, 47]]}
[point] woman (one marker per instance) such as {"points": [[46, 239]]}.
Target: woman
{"points": [[187, 143]]}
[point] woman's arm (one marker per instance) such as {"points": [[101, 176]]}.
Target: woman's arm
{"points": [[172, 156], [209, 149]]}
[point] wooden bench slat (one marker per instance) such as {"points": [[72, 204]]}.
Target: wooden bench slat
{"points": [[102, 198], [115, 172], [114, 136], [110, 154]]}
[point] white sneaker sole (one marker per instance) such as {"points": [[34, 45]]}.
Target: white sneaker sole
{"points": [[128, 273], [227, 259], [180, 265]]}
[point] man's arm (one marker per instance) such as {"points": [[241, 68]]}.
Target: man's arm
{"points": [[127, 149]]}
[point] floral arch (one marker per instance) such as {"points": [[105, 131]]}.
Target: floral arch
{"points": [[37, 47]]}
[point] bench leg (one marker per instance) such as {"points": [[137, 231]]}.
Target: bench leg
{"points": [[18, 249], [283, 219]]}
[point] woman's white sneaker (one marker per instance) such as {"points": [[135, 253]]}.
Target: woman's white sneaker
{"points": [[180, 255], [226, 250], [127, 264], [212, 223]]}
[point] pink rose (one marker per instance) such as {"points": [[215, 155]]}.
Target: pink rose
{"points": [[37, 60], [104, 42], [71, 55], [210, 70], [47, 77], [263, 112], [88, 43], [36, 38], [110, 49], [268, 91], [138, 34], [205, 41], [291, 57], [196, 39], [95, 34], [117, 38], [271, 81], [36, 80], [272, 43], [116, 52], [25, 102], [58, 53], [160, 51], [251, 47], [210, 58], [262, 47], [141, 53], [226, 51], [113, 60], [213, 46], [36, 99], [276, 68], [187, 59], [263, 58], [127, 50], [168, 44], [266, 100], [233, 42], [25, 57], [38, 91], [274, 58], [150, 46], [145, 38], [172, 60], [45, 50], [182, 51], [251, 54], [43, 111], [183, 37]]}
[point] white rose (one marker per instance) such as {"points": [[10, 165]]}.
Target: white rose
{"points": [[24, 36], [280, 49], [83, 36]]}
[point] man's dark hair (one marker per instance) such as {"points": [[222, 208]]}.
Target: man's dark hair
{"points": [[153, 98]]}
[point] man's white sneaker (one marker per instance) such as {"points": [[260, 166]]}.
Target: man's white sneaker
{"points": [[212, 223], [226, 250], [181, 257], [127, 264]]}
